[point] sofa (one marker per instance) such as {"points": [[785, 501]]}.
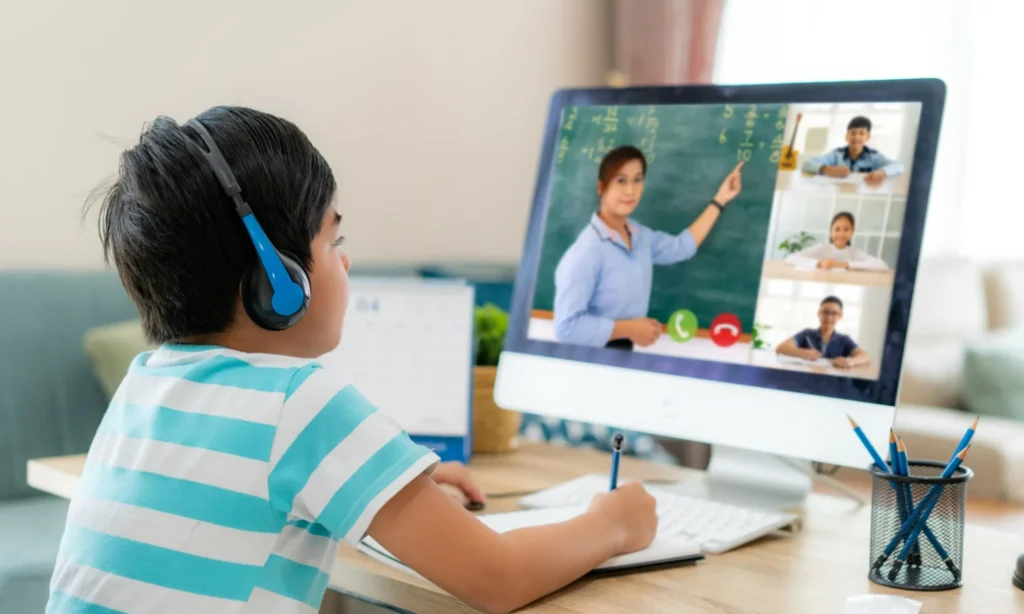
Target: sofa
{"points": [[50, 404], [965, 358]]}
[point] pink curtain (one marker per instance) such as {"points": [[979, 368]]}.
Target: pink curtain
{"points": [[660, 42]]}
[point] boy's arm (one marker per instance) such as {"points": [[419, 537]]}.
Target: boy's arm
{"points": [[892, 168], [500, 572], [814, 165]]}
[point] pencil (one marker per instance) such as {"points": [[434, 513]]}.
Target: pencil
{"points": [[911, 524]]}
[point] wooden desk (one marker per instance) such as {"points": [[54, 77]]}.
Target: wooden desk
{"points": [[780, 269], [811, 573], [768, 358], [797, 181]]}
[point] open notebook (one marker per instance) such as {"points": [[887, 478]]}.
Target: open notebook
{"points": [[662, 551]]}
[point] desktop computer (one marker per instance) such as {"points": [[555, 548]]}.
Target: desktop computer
{"points": [[732, 265]]}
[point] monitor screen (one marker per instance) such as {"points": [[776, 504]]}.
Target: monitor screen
{"points": [[765, 236]]}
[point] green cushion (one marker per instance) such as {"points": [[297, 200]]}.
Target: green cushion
{"points": [[994, 375], [111, 348]]}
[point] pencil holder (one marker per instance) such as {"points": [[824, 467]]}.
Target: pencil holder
{"points": [[925, 511]]}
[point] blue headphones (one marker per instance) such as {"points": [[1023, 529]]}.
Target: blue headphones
{"points": [[275, 292]]}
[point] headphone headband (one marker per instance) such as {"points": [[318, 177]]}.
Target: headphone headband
{"points": [[220, 167], [287, 294]]}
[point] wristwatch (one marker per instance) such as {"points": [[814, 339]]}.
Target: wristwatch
{"points": [[720, 206]]}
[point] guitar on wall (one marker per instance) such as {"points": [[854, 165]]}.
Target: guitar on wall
{"points": [[787, 161]]}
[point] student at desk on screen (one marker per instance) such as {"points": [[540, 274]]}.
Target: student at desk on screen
{"points": [[838, 253], [856, 157], [231, 463], [603, 281], [825, 342]]}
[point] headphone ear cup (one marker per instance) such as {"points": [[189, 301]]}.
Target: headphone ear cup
{"points": [[257, 294]]}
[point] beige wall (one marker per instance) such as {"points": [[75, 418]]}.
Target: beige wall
{"points": [[429, 112]]}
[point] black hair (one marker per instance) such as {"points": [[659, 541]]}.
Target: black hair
{"points": [[832, 299], [841, 215], [616, 158], [859, 122], [172, 232]]}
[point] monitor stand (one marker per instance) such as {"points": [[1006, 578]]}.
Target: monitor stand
{"points": [[757, 479]]}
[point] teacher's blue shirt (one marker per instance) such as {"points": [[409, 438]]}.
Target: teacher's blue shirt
{"points": [[599, 280]]}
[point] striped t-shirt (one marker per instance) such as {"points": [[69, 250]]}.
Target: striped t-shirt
{"points": [[221, 482]]}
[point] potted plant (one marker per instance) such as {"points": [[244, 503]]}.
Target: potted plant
{"points": [[494, 429], [757, 339], [796, 243]]}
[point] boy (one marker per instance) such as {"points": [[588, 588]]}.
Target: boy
{"points": [[856, 157], [825, 341], [230, 464]]}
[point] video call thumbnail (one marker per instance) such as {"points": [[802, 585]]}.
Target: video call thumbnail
{"points": [[759, 234]]}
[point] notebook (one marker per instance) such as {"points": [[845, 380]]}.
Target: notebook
{"points": [[664, 550]]}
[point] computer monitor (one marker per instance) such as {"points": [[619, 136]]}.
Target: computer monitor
{"points": [[778, 315]]}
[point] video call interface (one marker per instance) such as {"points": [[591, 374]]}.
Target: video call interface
{"points": [[791, 267]]}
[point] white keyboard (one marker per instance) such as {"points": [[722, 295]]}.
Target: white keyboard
{"points": [[718, 527]]}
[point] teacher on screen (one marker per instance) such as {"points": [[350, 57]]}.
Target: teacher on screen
{"points": [[603, 281]]}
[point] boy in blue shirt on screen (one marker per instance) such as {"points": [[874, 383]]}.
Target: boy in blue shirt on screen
{"points": [[856, 157], [825, 342], [230, 464]]}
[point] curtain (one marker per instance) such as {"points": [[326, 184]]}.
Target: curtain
{"points": [[665, 41]]}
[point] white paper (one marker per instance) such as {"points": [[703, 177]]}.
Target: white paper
{"points": [[661, 549], [881, 604]]}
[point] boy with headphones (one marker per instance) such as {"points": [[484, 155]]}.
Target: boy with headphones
{"points": [[230, 464]]}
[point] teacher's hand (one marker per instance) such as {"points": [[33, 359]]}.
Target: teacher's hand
{"points": [[644, 331], [731, 186]]}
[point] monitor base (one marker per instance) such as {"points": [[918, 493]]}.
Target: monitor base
{"points": [[757, 479]]}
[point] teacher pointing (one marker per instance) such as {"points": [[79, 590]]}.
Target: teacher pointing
{"points": [[603, 281]]}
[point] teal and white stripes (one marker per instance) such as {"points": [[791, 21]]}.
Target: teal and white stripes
{"points": [[222, 482]]}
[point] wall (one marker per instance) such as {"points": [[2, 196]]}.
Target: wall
{"points": [[453, 93]]}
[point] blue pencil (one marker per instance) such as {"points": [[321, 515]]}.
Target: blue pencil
{"points": [[904, 468], [904, 496], [966, 439], [917, 515], [616, 453]]}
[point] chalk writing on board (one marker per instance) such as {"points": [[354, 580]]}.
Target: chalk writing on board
{"points": [[740, 134], [570, 118], [777, 142]]}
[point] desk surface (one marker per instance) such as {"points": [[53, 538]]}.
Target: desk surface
{"points": [[768, 358], [797, 181], [780, 269], [811, 573]]}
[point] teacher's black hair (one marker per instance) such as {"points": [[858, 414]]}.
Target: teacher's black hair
{"points": [[616, 158], [172, 231]]}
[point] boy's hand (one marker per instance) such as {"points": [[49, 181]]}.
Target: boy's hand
{"points": [[839, 172], [875, 177], [841, 363], [630, 510], [457, 475]]}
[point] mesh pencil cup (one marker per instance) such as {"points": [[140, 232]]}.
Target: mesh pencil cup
{"points": [[905, 552]]}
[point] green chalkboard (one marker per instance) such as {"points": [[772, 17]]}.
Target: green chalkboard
{"points": [[690, 149]]}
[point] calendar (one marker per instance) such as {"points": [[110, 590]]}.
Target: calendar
{"points": [[407, 345]]}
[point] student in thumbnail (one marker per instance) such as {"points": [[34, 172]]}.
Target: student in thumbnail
{"points": [[603, 281], [825, 341], [838, 253], [856, 157]]}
